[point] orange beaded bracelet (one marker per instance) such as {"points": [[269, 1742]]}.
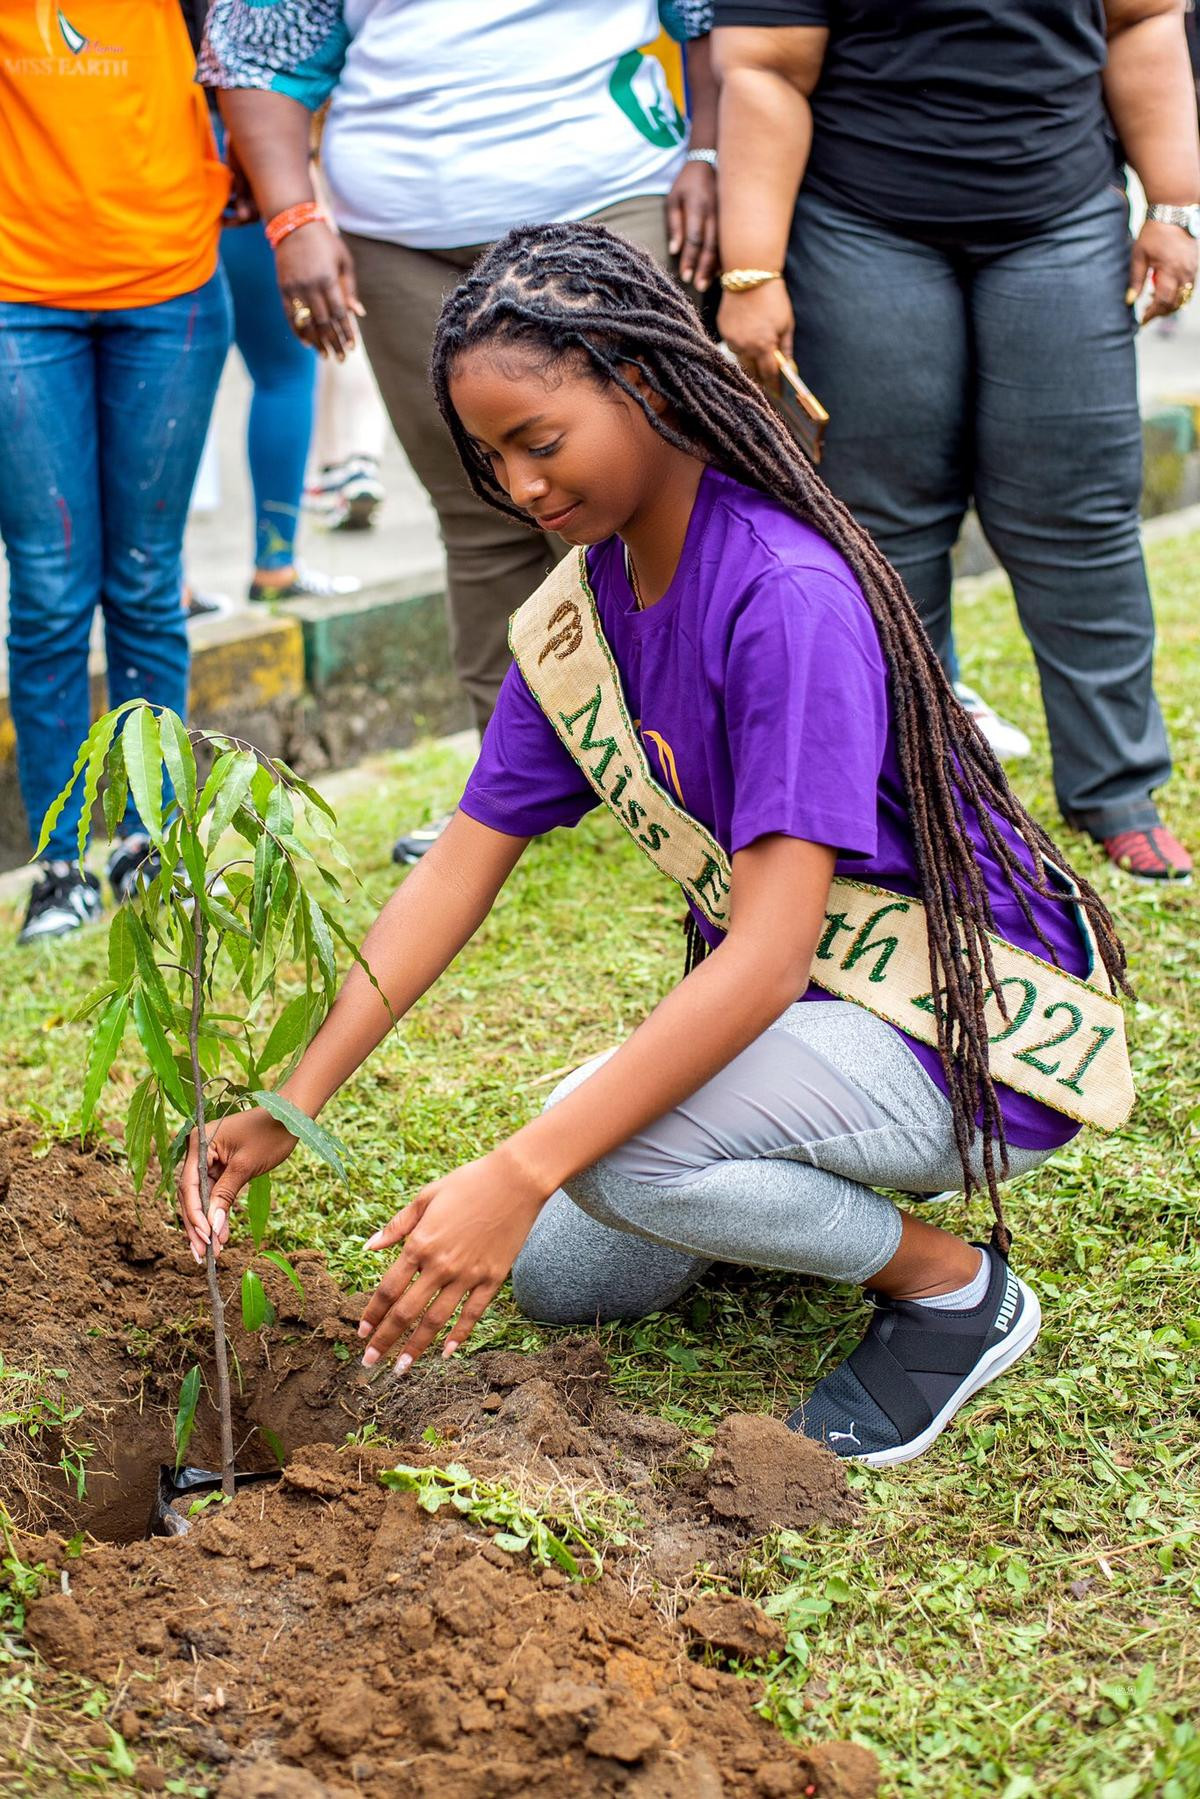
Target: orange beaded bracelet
{"points": [[291, 219]]}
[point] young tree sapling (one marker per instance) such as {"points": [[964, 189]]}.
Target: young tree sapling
{"points": [[260, 915]]}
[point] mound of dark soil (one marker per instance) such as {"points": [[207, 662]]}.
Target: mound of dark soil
{"points": [[325, 1636]]}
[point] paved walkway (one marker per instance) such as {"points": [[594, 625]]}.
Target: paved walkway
{"points": [[406, 540]]}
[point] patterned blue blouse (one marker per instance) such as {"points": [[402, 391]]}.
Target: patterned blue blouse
{"points": [[297, 47]]}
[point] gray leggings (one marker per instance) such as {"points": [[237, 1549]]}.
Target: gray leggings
{"points": [[772, 1164]]}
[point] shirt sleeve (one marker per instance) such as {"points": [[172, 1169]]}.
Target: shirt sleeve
{"points": [[806, 711], [686, 19], [292, 47], [773, 12], [524, 782]]}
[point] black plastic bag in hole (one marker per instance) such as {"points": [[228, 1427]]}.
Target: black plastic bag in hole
{"points": [[187, 1483]]}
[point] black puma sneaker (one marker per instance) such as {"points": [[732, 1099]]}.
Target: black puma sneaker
{"points": [[915, 1367]]}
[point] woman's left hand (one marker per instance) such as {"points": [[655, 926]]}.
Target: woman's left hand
{"points": [[692, 223], [1168, 254], [461, 1235]]}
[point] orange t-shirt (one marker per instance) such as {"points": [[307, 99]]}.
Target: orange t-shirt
{"points": [[111, 189]]}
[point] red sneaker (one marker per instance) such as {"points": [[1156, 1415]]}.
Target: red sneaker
{"points": [[1151, 854]]}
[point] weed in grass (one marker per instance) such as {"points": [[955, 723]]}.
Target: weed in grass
{"points": [[517, 1526]]}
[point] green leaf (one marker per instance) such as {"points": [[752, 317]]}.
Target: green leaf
{"points": [[310, 1133], [147, 967], [281, 1262], [139, 1130], [91, 1000], [322, 942], [179, 759], [153, 1039], [143, 761], [266, 855], [55, 812], [223, 919], [258, 1207], [216, 774], [257, 1309], [273, 1442], [191, 852], [289, 1031], [185, 1417], [102, 1050], [122, 959], [100, 736], [348, 943], [280, 815], [232, 791], [310, 793], [558, 1552], [116, 789], [118, 1757], [507, 1539]]}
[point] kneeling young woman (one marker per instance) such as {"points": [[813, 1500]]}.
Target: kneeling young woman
{"points": [[729, 664]]}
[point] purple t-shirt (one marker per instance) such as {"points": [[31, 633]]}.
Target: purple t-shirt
{"points": [[760, 694]]}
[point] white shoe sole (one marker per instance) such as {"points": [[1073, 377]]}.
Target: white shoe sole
{"points": [[1002, 1355]]}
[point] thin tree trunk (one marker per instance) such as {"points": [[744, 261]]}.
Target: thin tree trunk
{"points": [[224, 1408]]}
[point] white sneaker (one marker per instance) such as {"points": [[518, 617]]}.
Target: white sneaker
{"points": [[345, 496], [1007, 740]]}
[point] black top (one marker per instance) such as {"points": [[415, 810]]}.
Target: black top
{"points": [[937, 114]]}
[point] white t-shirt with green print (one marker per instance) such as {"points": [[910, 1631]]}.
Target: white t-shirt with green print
{"points": [[454, 120]]}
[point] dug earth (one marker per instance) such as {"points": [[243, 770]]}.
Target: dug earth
{"points": [[322, 1635]]}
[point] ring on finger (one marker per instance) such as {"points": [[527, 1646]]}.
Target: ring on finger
{"points": [[1184, 295], [301, 314]]}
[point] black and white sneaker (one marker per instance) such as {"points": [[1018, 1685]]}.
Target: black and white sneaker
{"points": [[64, 898], [133, 864], [915, 1367], [415, 843]]}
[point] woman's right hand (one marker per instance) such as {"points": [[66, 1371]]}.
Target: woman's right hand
{"points": [[239, 1147], [316, 271], [755, 324]]}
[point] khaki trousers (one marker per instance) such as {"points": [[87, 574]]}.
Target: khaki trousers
{"points": [[492, 563]]}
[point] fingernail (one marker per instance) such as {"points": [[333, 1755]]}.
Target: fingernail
{"points": [[196, 1253], [364, 1329], [403, 1363], [373, 1242], [449, 1350], [1130, 295], [218, 1222], [370, 1359]]}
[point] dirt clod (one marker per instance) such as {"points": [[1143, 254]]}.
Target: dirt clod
{"points": [[733, 1625], [765, 1477], [62, 1634]]}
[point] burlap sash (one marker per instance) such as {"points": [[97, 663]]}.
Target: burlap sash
{"points": [[1063, 1039]]}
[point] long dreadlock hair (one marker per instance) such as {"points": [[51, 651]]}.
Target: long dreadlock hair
{"points": [[578, 290]]}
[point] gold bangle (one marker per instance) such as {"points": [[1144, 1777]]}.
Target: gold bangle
{"points": [[740, 281]]}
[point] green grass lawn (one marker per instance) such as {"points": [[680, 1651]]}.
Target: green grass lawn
{"points": [[1017, 1614]]}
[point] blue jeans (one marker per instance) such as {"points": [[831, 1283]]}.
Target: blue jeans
{"points": [[284, 373], [1002, 372], [102, 421]]}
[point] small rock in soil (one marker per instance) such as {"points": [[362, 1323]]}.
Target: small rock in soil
{"points": [[734, 1626], [765, 1477]]}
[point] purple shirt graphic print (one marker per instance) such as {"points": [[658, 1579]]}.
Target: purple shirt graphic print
{"points": [[761, 697]]}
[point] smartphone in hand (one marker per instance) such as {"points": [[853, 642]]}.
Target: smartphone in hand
{"points": [[801, 408]]}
